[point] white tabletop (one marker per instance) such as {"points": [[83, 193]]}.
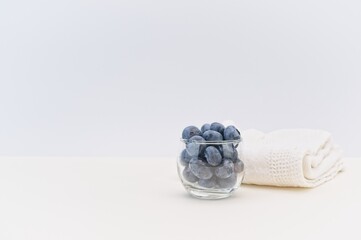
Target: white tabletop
{"points": [[113, 198]]}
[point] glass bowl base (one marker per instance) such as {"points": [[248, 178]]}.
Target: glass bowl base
{"points": [[208, 193]]}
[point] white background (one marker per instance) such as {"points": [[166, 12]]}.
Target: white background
{"points": [[123, 78]]}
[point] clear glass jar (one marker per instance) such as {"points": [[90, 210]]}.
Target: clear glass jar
{"points": [[210, 169]]}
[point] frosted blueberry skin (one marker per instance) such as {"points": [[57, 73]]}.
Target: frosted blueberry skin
{"points": [[230, 152], [227, 182], [185, 158], [225, 170], [231, 133], [190, 131], [194, 147], [238, 166], [213, 156], [219, 127], [212, 135], [200, 169], [220, 149], [206, 127], [208, 183], [188, 175]]}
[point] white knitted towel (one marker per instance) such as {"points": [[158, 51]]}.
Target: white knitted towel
{"points": [[290, 157]]}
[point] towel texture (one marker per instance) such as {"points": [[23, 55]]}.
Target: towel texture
{"points": [[290, 157]]}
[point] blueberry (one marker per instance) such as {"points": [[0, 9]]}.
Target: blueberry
{"points": [[227, 182], [200, 169], [217, 127], [238, 166], [208, 183], [231, 133], [213, 156], [225, 170], [189, 176], [194, 146], [220, 149], [211, 135], [229, 152], [185, 158], [206, 127], [190, 131]]}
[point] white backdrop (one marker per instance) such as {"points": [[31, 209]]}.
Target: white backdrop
{"points": [[110, 77]]}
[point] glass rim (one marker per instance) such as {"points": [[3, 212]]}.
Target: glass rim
{"points": [[212, 142]]}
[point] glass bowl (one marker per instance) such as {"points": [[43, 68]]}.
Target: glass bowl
{"points": [[210, 169]]}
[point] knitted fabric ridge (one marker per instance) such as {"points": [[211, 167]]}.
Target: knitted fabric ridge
{"points": [[289, 157]]}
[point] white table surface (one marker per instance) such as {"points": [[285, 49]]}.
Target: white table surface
{"points": [[113, 198]]}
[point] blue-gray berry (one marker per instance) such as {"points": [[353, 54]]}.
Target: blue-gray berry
{"points": [[213, 156], [194, 146], [185, 157], [212, 135], [227, 182], [225, 170], [200, 169], [188, 175], [206, 127], [190, 131], [229, 151], [231, 133], [216, 126], [208, 183], [238, 166]]}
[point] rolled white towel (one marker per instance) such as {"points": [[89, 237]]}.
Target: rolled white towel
{"points": [[289, 157]]}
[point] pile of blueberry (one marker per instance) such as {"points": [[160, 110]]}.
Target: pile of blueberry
{"points": [[210, 157]]}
